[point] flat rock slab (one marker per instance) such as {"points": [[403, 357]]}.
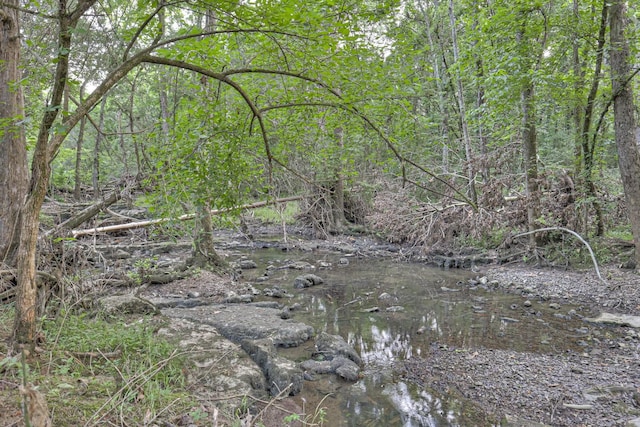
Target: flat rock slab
{"points": [[239, 322], [616, 319]]}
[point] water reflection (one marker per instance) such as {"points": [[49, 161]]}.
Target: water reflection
{"points": [[421, 410], [437, 309], [384, 347]]}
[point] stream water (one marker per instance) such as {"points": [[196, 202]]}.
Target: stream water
{"points": [[391, 311]]}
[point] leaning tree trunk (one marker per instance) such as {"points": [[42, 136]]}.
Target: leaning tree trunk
{"points": [[14, 173], [624, 118]]}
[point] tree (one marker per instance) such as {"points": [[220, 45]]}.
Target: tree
{"points": [[626, 131], [285, 37], [13, 161]]}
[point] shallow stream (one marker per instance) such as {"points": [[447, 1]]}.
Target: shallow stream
{"points": [[390, 311]]}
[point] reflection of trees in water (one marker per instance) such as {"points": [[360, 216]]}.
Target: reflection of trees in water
{"points": [[385, 347]]}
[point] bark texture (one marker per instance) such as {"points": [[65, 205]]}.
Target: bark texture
{"points": [[13, 152], [624, 117]]}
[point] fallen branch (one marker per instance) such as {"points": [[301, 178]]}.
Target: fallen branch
{"points": [[593, 257], [142, 224], [88, 213]]}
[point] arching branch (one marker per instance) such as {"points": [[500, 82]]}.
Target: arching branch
{"points": [[584, 242]]}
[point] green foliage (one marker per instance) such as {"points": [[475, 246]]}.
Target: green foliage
{"points": [[129, 363], [277, 214]]}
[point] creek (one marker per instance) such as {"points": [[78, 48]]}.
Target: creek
{"points": [[390, 311]]}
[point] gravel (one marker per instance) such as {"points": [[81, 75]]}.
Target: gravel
{"points": [[597, 387]]}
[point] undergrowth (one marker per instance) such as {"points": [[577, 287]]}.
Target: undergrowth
{"points": [[95, 372]]}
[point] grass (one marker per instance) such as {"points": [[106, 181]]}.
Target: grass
{"points": [[95, 372], [276, 214]]}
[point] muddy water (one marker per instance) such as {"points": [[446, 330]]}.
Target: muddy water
{"points": [[390, 311]]}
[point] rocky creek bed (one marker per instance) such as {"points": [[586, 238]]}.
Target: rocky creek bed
{"points": [[597, 384]]}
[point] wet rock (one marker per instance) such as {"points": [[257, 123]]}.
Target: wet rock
{"points": [[126, 304], [247, 322], [246, 264], [233, 298], [317, 366], [285, 313], [281, 374], [274, 292], [341, 366], [169, 302], [331, 346], [307, 280], [235, 373], [345, 368], [298, 265]]}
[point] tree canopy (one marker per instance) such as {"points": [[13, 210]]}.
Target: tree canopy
{"points": [[212, 104]]}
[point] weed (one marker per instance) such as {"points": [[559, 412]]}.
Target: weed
{"points": [[96, 372]]}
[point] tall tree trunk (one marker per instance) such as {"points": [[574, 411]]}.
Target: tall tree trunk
{"points": [[24, 329], [587, 149], [624, 119], [337, 195], [95, 173], [77, 187], [463, 111], [440, 86], [530, 154], [204, 253], [14, 173]]}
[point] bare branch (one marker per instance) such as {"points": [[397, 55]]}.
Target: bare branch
{"points": [[584, 242]]}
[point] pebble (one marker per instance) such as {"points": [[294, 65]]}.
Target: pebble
{"points": [[554, 305], [527, 303]]}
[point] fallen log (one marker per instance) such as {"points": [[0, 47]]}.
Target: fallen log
{"points": [[87, 213], [186, 217]]}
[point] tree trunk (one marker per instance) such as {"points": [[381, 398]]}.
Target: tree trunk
{"points": [[530, 154], [587, 149], [95, 174], [440, 86], [204, 253], [337, 195], [14, 173], [77, 187], [24, 329], [624, 118], [463, 111]]}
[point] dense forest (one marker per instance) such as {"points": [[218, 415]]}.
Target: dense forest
{"points": [[428, 123]]}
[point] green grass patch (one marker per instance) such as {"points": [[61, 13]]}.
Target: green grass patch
{"points": [[94, 372], [275, 214]]}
